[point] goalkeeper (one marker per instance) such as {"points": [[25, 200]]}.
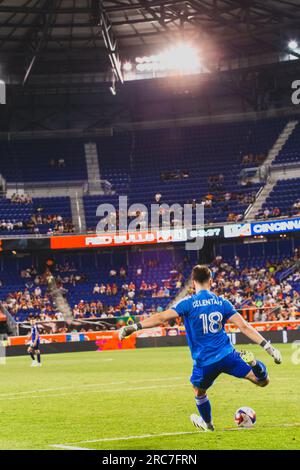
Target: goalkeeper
{"points": [[205, 315]]}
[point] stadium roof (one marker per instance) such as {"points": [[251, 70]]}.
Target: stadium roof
{"points": [[68, 35], [60, 58]]}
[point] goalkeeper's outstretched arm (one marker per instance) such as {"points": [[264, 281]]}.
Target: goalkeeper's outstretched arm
{"points": [[255, 336], [155, 320]]}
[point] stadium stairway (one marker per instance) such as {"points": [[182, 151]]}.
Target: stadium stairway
{"points": [[275, 174], [2, 186], [92, 165], [78, 214], [260, 200], [58, 298], [184, 292], [280, 142], [289, 271]]}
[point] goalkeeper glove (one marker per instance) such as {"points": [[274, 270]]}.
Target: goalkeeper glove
{"points": [[128, 330], [272, 351]]}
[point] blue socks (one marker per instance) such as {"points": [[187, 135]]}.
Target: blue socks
{"points": [[260, 371], [204, 408]]}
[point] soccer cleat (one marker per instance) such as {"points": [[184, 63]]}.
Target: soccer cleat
{"points": [[39, 364], [34, 364], [248, 357], [199, 423], [210, 426]]}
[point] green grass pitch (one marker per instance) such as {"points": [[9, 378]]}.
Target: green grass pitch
{"points": [[109, 400]]}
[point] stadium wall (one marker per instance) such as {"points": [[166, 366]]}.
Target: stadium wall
{"points": [[283, 336]]}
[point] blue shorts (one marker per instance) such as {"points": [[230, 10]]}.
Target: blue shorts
{"points": [[232, 364]]}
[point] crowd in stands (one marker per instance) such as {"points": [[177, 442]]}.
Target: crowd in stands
{"points": [[54, 223], [215, 200], [17, 198], [31, 302], [215, 182], [283, 200], [253, 159], [131, 294], [257, 291], [36, 222], [222, 201], [164, 165], [33, 299], [270, 212], [57, 162]]}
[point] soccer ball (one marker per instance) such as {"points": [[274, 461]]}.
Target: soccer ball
{"points": [[245, 417]]}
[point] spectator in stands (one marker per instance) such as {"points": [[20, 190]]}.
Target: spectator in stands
{"points": [[139, 307], [157, 197], [166, 292], [296, 208], [131, 294], [102, 289], [231, 217], [123, 273], [96, 289], [37, 291], [114, 289], [276, 212]]}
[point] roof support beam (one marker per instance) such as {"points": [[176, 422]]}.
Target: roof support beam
{"points": [[111, 46], [118, 6], [47, 21]]}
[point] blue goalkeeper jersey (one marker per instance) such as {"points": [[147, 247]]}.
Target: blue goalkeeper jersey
{"points": [[205, 315]]}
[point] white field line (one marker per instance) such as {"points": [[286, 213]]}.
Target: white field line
{"points": [[125, 438], [164, 434], [62, 446], [13, 395], [110, 390], [78, 389]]}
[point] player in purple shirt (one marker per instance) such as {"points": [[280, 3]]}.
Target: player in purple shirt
{"points": [[34, 346]]}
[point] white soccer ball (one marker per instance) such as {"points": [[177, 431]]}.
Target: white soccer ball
{"points": [[245, 417]]}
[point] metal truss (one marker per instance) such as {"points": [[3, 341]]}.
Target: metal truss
{"points": [[36, 37], [228, 18], [111, 46], [39, 38]]}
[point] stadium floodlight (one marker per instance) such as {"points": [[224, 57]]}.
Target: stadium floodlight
{"points": [[293, 45], [181, 58], [127, 66]]}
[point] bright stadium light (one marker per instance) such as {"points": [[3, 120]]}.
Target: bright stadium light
{"points": [[293, 45], [181, 58], [127, 66]]}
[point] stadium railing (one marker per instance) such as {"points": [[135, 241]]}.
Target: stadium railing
{"points": [[12, 325]]}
